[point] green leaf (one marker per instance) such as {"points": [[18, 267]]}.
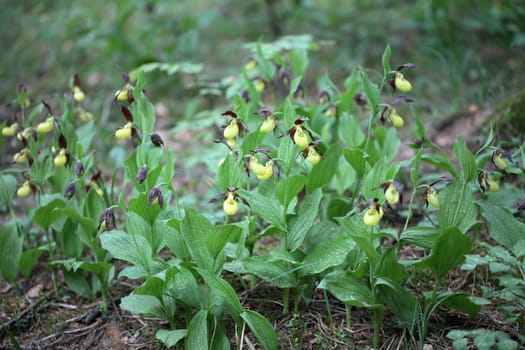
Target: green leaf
{"points": [[222, 235], [275, 272], [414, 169], [87, 223], [350, 130], [287, 152], [262, 328], [123, 246], [170, 337], [11, 244], [299, 224], [461, 302], [503, 226], [390, 268], [347, 288], [28, 259], [295, 184], [422, 236], [196, 230], [355, 227], [70, 240], [356, 158], [448, 251], [77, 282], [440, 161], [197, 337], [459, 206], [298, 61], [229, 174], [371, 91], [323, 172], [224, 291], [403, 304], [268, 208], [375, 177], [330, 252], [46, 215], [385, 60], [141, 305], [144, 111], [7, 187], [183, 286], [466, 160]]}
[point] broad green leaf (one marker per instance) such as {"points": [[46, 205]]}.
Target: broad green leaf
{"points": [[274, 272], [140, 206], [466, 160], [136, 225], [350, 130], [262, 328], [371, 91], [268, 208], [141, 305], [170, 338], [287, 189], [197, 337], [154, 286], [220, 341], [298, 61], [322, 173], [328, 253], [385, 60], [123, 246], [8, 186], [448, 251], [459, 206], [355, 227], [70, 240], [462, 303], [87, 223], [222, 235], [357, 159], [169, 168], [503, 226], [85, 134], [28, 259], [403, 304], [422, 236], [46, 215], [143, 110], [390, 268], [299, 224], [11, 244], [287, 152], [197, 230], [224, 291], [414, 168], [229, 174], [347, 288], [440, 161], [78, 283], [386, 143], [183, 286], [375, 177]]}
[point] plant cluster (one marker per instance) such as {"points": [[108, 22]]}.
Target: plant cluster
{"points": [[323, 177]]}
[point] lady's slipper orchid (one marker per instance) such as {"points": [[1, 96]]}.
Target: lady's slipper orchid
{"points": [[374, 212], [24, 190], [10, 130]]}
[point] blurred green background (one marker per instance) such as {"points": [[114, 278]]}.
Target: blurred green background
{"points": [[465, 51]]}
